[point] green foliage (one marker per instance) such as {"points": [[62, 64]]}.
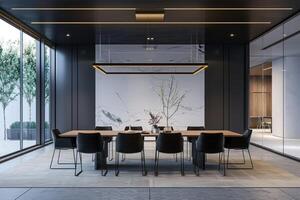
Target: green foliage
{"points": [[47, 74], [9, 72], [29, 74], [28, 125]]}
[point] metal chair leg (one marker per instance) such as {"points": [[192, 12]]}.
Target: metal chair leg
{"points": [[182, 163], [143, 163], [156, 163], [243, 163], [76, 158], [224, 167], [123, 157], [111, 147], [103, 173], [250, 158], [59, 163], [117, 164], [52, 158]]}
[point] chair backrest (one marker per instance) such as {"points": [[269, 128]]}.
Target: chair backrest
{"points": [[162, 128], [134, 128], [169, 143], [195, 128], [89, 142], [210, 143], [103, 128], [129, 142], [55, 133], [247, 137]]}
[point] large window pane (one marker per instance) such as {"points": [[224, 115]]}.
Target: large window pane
{"points": [[47, 65], [29, 90], [9, 89]]}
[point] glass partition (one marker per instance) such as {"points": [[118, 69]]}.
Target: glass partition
{"points": [[274, 92]]}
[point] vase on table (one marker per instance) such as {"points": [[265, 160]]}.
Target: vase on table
{"points": [[154, 129]]}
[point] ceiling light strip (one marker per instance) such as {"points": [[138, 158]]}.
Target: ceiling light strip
{"points": [[133, 9], [228, 9], [75, 9], [147, 23]]}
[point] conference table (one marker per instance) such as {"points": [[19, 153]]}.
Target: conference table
{"points": [[101, 159]]}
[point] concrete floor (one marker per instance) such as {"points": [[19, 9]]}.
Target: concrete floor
{"points": [[150, 193], [32, 170]]}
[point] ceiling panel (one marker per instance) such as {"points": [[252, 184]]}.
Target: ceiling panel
{"points": [[163, 34]]}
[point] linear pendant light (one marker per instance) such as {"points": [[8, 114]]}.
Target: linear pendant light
{"points": [[166, 9], [150, 68], [149, 23]]}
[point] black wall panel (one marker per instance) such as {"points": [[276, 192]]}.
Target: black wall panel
{"points": [[225, 87], [75, 87]]}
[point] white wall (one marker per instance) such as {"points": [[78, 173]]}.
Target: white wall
{"points": [[128, 98]]}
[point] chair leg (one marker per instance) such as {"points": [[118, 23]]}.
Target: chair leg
{"points": [[143, 163], [250, 158], [117, 164], [58, 157], [182, 163], [76, 158], [52, 158], [156, 163], [123, 157], [242, 163], [103, 173], [224, 167]]}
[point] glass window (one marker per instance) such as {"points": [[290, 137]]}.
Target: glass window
{"points": [[47, 66], [29, 90], [10, 129]]}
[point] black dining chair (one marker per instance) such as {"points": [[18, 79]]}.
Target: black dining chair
{"points": [[108, 140], [89, 143], [169, 143], [62, 143], [162, 128], [127, 143], [190, 140], [210, 143], [133, 128], [239, 143]]}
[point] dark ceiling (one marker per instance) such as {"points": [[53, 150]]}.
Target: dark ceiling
{"points": [[162, 34]]}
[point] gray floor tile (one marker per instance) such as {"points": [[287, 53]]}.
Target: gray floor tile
{"points": [[86, 194], [11, 193], [217, 194], [293, 192]]}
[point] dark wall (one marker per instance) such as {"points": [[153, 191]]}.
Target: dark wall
{"points": [[226, 87], [74, 87]]}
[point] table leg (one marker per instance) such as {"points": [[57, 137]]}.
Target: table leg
{"points": [[202, 156], [101, 158]]}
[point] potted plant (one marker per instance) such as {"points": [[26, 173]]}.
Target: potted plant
{"points": [[153, 121]]}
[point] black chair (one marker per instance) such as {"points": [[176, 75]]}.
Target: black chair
{"points": [[130, 143], [192, 139], [62, 143], [239, 143], [134, 128], [210, 143], [170, 143], [108, 140], [91, 143], [162, 128]]}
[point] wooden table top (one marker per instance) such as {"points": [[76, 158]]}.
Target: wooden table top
{"points": [[184, 133]]}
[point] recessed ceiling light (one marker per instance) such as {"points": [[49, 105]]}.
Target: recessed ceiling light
{"points": [[232, 35], [68, 35]]}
